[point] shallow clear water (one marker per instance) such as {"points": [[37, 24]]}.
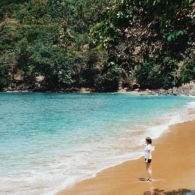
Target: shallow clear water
{"points": [[50, 141]]}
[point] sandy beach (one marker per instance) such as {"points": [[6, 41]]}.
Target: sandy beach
{"points": [[173, 169]]}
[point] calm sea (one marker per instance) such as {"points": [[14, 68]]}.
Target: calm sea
{"points": [[51, 141]]}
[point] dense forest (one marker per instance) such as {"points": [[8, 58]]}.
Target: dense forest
{"points": [[98, 44]]}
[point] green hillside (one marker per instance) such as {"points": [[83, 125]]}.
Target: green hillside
{"points": [[99, 44]]}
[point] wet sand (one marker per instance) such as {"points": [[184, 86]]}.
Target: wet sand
{"points": [[173, 169]]}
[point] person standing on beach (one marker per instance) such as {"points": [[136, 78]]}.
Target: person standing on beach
{"points": [[148, 157]]}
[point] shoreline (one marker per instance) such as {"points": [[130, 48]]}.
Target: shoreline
{"points": [[187, 89], [133, 92], [66, 175], [167, 179]]}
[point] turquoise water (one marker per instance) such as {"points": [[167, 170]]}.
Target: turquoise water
{"points": [[50, 141]]}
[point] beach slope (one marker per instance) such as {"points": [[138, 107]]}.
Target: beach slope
{"points": [[173, 169]]}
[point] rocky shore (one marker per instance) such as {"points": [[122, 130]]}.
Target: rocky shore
{"points": [[187, 89]]}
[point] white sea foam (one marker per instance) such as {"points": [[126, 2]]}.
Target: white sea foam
{"points": [[154, 131], [67, 169], [180, 116], [191, 105]]}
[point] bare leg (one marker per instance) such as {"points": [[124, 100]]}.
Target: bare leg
{"points": [[149, 170]]}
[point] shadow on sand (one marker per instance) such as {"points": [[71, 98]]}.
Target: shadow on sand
{"points": [[173, 192]]}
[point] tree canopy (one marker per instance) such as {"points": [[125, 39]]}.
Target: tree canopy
{"points": [[99, 44]]}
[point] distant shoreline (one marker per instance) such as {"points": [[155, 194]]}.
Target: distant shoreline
{"points": [[184, 90]]}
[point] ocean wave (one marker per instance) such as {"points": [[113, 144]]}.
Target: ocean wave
{"points": [[68, 157]]}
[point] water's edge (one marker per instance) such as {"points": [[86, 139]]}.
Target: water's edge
{"points": [[50, 142], [165, 130]]}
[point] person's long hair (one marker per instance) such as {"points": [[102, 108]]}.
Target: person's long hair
{"points": [[148, 140]]}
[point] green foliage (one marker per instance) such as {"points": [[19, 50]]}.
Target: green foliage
{"points": [[174, 35], [47, 38], [109, 78], [148, 39], [157, 73], [97, 43], [4, 76], [54, 65], [188, 72]]}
